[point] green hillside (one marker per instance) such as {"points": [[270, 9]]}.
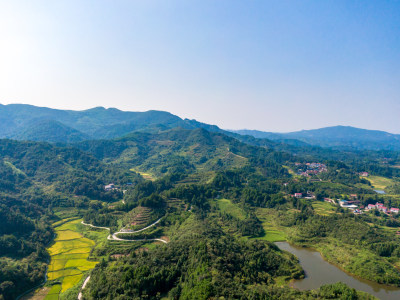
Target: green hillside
{"points": [[178, 150], [199, 223]]}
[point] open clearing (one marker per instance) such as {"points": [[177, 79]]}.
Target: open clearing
{"points": [[323, 208], [272, 232], [291, 172], [145, 175], [69, 257], [232, 209], [379, 182]]}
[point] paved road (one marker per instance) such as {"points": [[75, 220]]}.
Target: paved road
{"points": [[95, 226], [123, 230], [114, 237], [83, 286]]}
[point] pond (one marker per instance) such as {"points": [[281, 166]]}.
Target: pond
{"points": [[319, 272], [380, 192]]}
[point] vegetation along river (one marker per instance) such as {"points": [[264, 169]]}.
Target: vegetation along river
{"points": [[319, 272]]}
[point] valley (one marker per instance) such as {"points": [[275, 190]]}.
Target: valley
{"points": [[192, 214], [199, 150]]}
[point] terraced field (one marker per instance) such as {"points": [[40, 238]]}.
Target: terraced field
{"points": [[177, 204], [379, 182], [139, 217], [145, 175], [323, 208], [273, 233], [69, 258]]}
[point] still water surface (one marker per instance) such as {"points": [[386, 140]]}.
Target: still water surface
{"points": [[319, 272], [380, 192]]}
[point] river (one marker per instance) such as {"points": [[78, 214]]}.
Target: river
{"points": [[319, 272]]}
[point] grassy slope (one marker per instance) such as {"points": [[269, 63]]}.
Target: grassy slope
{"points": [[323, 208], [273, 232], [379, 182], [232, 209], [145, 175]]}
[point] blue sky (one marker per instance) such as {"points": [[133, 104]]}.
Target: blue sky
{"points": [[267, 65]]}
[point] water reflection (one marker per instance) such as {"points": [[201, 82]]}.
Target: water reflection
{"points": [[319, 272]]}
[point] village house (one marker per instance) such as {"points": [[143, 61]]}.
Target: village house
{"points": [[298, 195], [382, 208], [357, 209], [346, 204], [109, 187], [329, 200]]}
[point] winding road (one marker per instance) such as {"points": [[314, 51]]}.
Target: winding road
{"points": [[83, 286], [114, 236], [95, 226]]}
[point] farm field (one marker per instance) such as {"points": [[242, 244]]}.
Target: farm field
{"points": [[323, 208], [379, 182], [139, 218], [291, 172], [145, 175], [232, 209], [272, 232], [69, 257]]}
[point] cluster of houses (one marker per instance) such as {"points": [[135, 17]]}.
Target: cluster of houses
{"points": [[382, 208], [364, 174], [355, 206], [310, 169], [307, 195]]}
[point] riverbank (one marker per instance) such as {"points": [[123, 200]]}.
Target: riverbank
{"points": [[360, 263], [319, 272], [351, 256]]}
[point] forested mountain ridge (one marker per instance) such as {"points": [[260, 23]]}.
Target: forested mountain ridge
{"points": [[49, 131], [338, 137], [16, 118], [27, 122], [184, 150]]}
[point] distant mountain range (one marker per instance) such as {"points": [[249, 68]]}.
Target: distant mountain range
{"points": [[27, 122], [336, 137]]}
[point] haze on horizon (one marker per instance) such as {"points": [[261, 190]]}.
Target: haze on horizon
{"points": [[268, 65]]}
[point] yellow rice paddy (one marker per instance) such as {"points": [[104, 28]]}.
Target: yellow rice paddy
{"points": [[69, 256]]}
